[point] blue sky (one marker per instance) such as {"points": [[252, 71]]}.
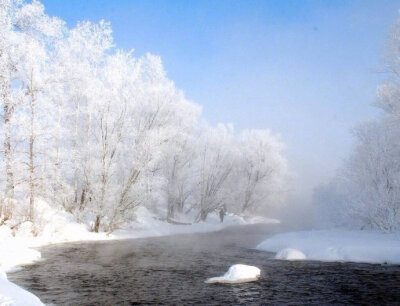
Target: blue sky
{"points": [[308, 70]]}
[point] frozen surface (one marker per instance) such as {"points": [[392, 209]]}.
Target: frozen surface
{"points": [[237, 274], [338, 245], [290, 254]]}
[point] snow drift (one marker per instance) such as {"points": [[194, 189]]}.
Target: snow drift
{"points": [[337, 245], [290, 254], [237, 274]]}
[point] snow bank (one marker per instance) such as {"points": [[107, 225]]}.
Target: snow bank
{"points": [[146, 225], [261, 220], [11, 294], [58, 226], [338, 245], [237, 274], [53, 227], [14, 254], [290, 254]]}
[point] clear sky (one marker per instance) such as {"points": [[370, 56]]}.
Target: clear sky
{"points": [[308, 70]]}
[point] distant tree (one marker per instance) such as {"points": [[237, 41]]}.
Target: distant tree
{"points": [[261, 172], [372, 174], [370, 178], [216, 161]]}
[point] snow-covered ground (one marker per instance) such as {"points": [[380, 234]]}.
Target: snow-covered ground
{"points": [[18, 247], [336, 245], [237, 274], [146, 225], [11, 294]]}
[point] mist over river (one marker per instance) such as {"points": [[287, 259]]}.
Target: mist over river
{"points": [[172, 270]]}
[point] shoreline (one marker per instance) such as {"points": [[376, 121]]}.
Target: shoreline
{"points": [[32, 246]]}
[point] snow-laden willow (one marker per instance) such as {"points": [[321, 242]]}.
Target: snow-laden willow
{"points": [[97, 132]]}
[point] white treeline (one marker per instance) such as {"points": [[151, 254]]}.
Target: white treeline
{"points": [[97, 132], [366, 192]]}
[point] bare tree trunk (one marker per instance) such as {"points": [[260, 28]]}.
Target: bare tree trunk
{"points": [[124, 204], [5, 89], [171, 208], [75, 153], [97, 223], [83, 198], [57, 163], [32, 156], [109, 150], [9, 192], [85, 192], [203, 214], [104, 167], [102, 198], [101, 204], [171, 199]]}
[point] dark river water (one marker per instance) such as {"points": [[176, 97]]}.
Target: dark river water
{"points": [[172, 270]]}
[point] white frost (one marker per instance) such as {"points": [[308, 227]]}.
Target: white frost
{"points": [[339, 245], [290, 254], [237, 274]]}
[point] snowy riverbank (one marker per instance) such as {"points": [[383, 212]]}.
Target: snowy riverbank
{"points": [[336, 245], [18, 248]]}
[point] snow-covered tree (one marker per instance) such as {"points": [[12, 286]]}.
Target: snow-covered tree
{"points": [[369, 181], [27, 35], [10, 48], [372, 174], [180, 173], [38, 31], [80, 57], [261, 174], [216, 161], [97, 132]]}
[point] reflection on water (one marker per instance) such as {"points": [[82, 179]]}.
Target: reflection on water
{"points": [[172, 270]]}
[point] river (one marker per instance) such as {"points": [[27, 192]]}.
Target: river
{"points": [[171, 271]]}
